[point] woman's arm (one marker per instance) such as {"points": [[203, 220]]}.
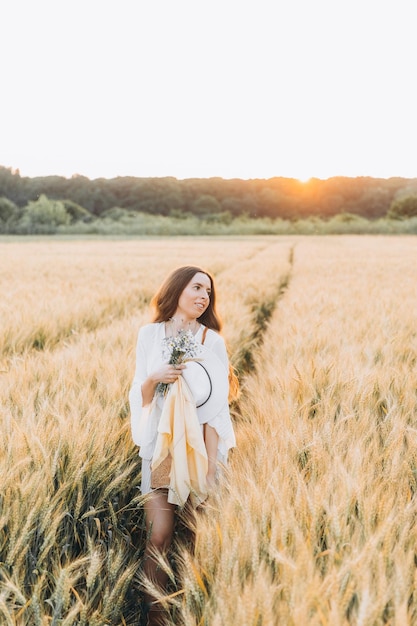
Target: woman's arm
{"points": [[221, 423], [211, 439], [144, 382]]}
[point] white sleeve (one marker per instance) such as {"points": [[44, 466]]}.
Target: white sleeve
{"points": [[135, 394], [216, 343], [219, 349], [221, 422]]}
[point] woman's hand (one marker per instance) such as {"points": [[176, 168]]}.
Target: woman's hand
{"points": [[167, 373]]}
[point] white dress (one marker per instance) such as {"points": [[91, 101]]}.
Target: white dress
{"points": [[144, 425]]}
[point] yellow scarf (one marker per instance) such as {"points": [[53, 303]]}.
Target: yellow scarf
{"points": [[180, 435]]}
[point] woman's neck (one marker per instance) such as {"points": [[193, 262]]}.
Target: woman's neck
{"points": [[179, 322]]}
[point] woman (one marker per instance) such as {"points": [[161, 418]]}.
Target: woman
{"points": [[185, 303]]}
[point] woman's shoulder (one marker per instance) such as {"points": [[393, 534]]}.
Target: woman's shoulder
{"points": [[212, 337], [149, 331], [215, 342]]}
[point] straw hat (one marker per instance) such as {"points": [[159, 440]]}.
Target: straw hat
{"points": [[207, 379]]}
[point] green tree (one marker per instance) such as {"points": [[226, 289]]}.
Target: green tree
{"points": [[44, 216], [7, 209], [205, 205], [10, 214], [403, 208]]}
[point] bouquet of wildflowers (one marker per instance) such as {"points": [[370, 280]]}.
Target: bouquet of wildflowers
{"points": [[178, 349]]}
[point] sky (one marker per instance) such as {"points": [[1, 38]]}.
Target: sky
{"points": [[193, 88]]}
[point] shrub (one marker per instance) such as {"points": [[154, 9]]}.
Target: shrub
{"points": [[225, 217], [117, 214], [77, 212]]}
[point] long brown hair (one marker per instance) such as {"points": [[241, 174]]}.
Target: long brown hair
{"points": [[165, 301]]}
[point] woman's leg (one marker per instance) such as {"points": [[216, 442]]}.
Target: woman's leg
{"points": [[160, 519]]}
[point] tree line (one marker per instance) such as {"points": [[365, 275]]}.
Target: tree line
{"points": [[79, 199]]}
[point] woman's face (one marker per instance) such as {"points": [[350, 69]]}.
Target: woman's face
{"points": [[195, 298]]}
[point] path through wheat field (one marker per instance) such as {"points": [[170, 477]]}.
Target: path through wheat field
{"points": [[316, 519]]}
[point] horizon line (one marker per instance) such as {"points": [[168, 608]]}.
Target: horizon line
{"points": [[303, 180]]}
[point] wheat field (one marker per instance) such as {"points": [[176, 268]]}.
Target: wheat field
{"points": [[315, 522]]}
